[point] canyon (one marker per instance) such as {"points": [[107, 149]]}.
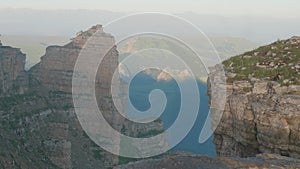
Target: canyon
{"points": [[39, 127], [259, 125]]}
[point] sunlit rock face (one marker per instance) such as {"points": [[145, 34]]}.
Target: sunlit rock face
{"points": [[55, 71], [261, 115]]}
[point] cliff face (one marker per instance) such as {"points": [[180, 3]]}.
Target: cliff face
{"points": [[39, 127], [55, 71], [38, 123], [12, 62], [262, 114]]}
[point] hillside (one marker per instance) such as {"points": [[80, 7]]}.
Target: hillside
{"points": [[261, 113], [278, 62]]}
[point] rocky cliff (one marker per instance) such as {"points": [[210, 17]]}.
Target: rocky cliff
{"points": [[12, 62], [262, 113], [38, 124], [55, 71], [39, 127]]}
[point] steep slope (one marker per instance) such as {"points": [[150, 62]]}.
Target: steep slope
{"points": [[39, 128], [38, 124], [12, 62], [278, 62], [262, 113]]}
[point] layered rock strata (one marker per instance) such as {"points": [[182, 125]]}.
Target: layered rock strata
{"points": [[261, 115], [12, 62]]}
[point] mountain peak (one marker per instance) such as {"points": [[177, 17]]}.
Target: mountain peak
{"points": [[83, 36]]}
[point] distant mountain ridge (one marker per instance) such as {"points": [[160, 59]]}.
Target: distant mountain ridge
{"points": [[65, 23], [34, 46]]}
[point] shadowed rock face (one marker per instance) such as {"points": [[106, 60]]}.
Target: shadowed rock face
{"points": [[12, 62], [39, 127], [38, 123], [188, 161], [261, 115]]}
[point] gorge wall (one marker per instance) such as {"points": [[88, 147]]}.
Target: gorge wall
{"points": [[39, 127], [38, 124], [12, 62], [55, 71], [262, 113], [260, 124]]}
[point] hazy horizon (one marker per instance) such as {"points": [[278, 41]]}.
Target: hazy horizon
{"points": [[273, 8], [66, 23]]}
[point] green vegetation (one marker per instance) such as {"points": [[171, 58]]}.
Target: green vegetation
{"points": [[98, 154], [8, 103], [68, 106], [247, 89], [279, 62], [85, 135]]}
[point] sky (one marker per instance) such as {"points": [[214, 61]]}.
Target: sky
{"points": [[261, 21], [274, 8]]}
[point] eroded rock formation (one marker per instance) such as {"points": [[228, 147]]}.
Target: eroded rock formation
{"points": [[38, 123], [39, 127], [12, 62], [261, 115]]}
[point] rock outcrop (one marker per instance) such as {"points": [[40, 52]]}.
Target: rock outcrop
{"points": [[12, 62], [38, 124], [39, 127], [55, 71], [190, 161], [262, 114]]}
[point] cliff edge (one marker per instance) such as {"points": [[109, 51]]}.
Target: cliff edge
{"points": [[262, 112]]}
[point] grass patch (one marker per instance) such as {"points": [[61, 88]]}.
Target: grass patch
{"points": [[267, 62]]}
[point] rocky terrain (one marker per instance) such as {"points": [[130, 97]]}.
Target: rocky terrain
{"points": [[39, 128], [38, 124], [12, 62], [189, 161], [259, 127], [262, 113], [278, 62]]}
